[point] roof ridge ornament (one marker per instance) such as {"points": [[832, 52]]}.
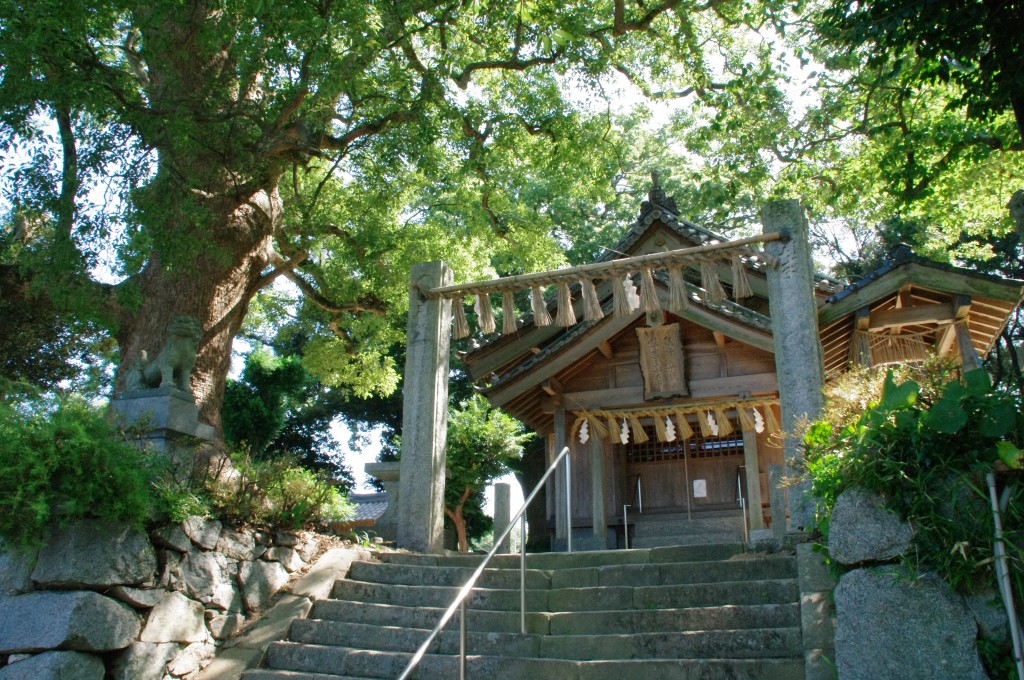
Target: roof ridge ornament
{"points": [[657, 199]]}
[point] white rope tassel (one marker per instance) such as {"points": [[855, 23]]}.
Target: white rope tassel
{"points": [[566, 315], [713, 291], [619, 297], [484, 313], [704, 420], [591, 304], [460, 326], [648, 295], [540, 308], [508, 313], [740, 283], [678, 300]]}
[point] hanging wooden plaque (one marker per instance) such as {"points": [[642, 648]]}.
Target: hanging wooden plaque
{"points": [[662, 362]]}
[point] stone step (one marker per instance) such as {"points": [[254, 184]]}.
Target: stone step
{"points": [[310, 662], [766, 591], [568, 623], [681, 540], [598, 558], [700, 644], [660, 526], [664, 573], [737, 569], [452, 576]]}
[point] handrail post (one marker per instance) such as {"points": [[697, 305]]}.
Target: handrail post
{"points": [[625, 525], [460, 599], [640, 493], [522, 574], [568, 503], [462, 640]]}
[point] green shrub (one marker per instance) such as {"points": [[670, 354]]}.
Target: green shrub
{"points": [[926, 447], [278, 494], [66, 461]]}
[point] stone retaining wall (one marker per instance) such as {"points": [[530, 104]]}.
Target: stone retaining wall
{"points": [[103, 600]]}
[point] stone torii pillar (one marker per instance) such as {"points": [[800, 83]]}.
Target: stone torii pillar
{"points": [[799, 363], [425, 412]]}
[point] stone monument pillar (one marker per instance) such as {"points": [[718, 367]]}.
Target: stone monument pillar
{"points": [[799, 363], [425, 412], [502, 512]]}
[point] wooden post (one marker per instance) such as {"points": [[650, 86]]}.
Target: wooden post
{"points": [[561, 523], [798, 356], [597, 486], [968, 355], [753, 469], [425, 412]]}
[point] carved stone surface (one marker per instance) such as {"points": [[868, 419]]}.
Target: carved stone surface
{"points": [[94, 554], [862, 529], [84, 621], [55, 666], [189, 659], [173, 366]]}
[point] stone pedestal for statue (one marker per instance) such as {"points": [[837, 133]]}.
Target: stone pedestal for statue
{"points": [[386, 526], [166, 416]]}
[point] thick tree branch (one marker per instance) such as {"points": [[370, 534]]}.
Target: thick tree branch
{"points": [[69, 172]]}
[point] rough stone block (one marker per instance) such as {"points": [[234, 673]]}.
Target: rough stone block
{"points": [[203, 532], [889, 625], [175, 619], [172, 536], [223, 626], [81, 620], [55, 666], [288, 557], [144, 661], [862, 529], [211, 578], [190, 659], [137, 598], [308, 547], [239, 545], [260, 581], [990, 615], [15, 570], [94, 554]]}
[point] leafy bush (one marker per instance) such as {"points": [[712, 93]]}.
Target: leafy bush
{"points": [[278, 494], [66, 461], [926, 445]]}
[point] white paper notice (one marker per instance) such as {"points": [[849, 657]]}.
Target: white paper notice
{"points": [[700, 488]]}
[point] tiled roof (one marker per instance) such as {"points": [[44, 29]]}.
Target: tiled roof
{"points": [[369, 506]]}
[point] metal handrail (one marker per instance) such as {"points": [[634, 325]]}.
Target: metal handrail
{"points": [[460, 599]]}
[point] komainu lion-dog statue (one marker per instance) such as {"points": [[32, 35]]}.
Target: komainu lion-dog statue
{"points": [[173, 366]]}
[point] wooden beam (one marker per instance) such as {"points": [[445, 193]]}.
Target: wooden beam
{"points": [[909, 316], [719, 339], [619, 397], [552, 386], [945, 341], [605, 348], [862, 319], [923, 276], [961, 306]]}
